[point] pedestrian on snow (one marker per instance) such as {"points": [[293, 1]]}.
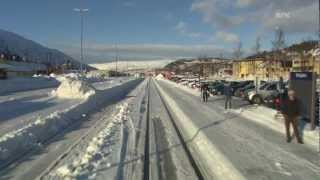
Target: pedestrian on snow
{"points": [[291, 111], [205, 92], [281, 89], [228, 95]]}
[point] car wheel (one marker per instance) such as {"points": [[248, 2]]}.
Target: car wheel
{"points": [[257, 100]]}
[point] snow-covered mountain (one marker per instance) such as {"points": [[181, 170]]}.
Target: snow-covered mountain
{"points": [[132, 65], [36, 52]]}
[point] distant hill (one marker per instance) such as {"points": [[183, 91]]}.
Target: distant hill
{"points": [[182, 65], [34, 52], [298, 48]]}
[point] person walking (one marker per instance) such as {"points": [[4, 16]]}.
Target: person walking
{"points": [[205, 92], [228, 96], [281, 89], [291, 111]]}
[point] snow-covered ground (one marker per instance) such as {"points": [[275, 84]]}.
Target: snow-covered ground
{"points": [[104, 137], [29, 118], [239, 148], [262, 115]]}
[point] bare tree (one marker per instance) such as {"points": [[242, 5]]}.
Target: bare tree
{"points": [[257, 46], [277, 45], [279, 41], [238, 51], [221, 56]]}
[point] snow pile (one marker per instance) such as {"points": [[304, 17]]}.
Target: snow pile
{"points": [[74, 89], [159, 76], [97, 148], [53, 75]]}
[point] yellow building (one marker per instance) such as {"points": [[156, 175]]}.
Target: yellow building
{"points": [[306, 63], [247, 68], [261, 68]]}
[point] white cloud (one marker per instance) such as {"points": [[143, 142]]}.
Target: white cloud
{"points": [[226, 37], [300, 20], [230, 13], [214, 12], [99, 52], [181, 27]]}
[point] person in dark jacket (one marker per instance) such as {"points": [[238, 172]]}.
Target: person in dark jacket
{"points": [[291, 112], [281, 89], [205, 92], [228, 95]]}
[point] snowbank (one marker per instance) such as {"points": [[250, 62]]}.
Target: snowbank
{"points": [[97, 147], [17, 143], [74, 89]]}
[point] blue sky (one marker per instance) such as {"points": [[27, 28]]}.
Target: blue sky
{"points": [[153, 29]]}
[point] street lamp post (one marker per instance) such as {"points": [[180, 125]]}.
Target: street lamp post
{"points": [[81, 11]]}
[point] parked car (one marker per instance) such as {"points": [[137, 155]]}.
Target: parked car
{"points": [[266, 92], [241, 91], [217, 89], [239, 85]]}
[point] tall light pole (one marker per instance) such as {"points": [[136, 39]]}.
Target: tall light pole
{"points": [[81, 11], [117, 59]]}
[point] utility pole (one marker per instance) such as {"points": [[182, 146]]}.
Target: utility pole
{"points": [[81, 11], [117, 60]]}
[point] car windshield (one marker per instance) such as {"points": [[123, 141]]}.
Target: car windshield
{"points": [[159, 90]]}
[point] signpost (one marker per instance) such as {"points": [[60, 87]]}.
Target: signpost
{"points": [[304, 84]]}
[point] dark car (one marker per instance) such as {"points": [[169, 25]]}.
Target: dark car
{"points": [[217, 89], [241, 91], [239, 85]]}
